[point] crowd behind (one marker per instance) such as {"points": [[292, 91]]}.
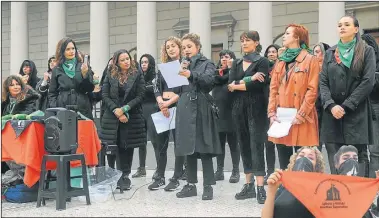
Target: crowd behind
{"points": [[334, 89]]}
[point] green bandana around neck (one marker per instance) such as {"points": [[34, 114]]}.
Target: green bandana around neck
{"points": [[69, 67], [346, 51], [291, 53]]}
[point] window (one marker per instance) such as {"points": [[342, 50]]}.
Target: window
{"points": [[216, 48]]}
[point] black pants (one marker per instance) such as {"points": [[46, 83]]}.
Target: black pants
{"points": [[142, 156], [284, 154], [208, 173], [126, 160], [332, 149], [234, 150], [160, 148], [270, 156]]}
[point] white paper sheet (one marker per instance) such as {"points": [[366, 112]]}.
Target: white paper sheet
{"points": [[170, 72], [163, 123], [285, 116]]}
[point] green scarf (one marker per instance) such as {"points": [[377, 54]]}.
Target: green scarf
{"points": [[271, 63], [291, 53], [69, 67], [346, 51]]}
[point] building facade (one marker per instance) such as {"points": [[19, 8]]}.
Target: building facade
{"points": [[31, 30]]}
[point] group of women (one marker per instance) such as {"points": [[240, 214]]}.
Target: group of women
{"points": [[336, 88]]}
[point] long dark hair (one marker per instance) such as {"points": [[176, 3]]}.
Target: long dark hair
{"points": [[32, 81], [8, 82], [271, 46], [150, 72], [253, 35], [48, 63], [115, 67], [61, 47], [359, 50]]}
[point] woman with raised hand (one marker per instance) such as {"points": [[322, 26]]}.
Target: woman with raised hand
{"points": [[71, 80], [346, 82]]}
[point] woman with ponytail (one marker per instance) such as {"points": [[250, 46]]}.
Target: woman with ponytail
{"points": [[248, 79], [294, 84], [346, 81]]}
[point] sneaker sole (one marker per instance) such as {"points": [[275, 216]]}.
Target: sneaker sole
{"points": [[170, 190], [154, 189], [248, 197], [186, 196]]}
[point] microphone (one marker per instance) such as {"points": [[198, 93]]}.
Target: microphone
{"points": [[186, 60]]}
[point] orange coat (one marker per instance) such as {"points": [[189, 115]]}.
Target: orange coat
{"points": [[300, 92]]}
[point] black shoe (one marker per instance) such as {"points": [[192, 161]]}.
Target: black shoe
{"points": [[187, 191], [248, 191], [157, 184], [184, 175], [207, 193], [141, 172], [219, 174], [124, 183], [261, 195], [235, 177], [173, 185]]}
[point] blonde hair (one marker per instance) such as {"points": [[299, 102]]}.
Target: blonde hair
{"points": [[193, 37], [164, 56], [320, 164]]}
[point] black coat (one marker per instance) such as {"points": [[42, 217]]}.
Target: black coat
{"points": [[196, 127], [223, 100], [341, 86], [134, 94], [25, 106], [65, 91], [43, 103]]}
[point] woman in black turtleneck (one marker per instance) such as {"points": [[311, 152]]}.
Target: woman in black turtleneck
{"points": [[149, 106], [222, 98], [248, 79]]}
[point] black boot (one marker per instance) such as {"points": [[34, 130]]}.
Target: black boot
{"points": [[124, 182], [219, 174], [248, 191], [235, 177], [207, 193], [141, 172], [261, 198], [188, 190]]}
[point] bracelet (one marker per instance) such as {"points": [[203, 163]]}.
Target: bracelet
{"points": [[247, 79], [125, 108]]}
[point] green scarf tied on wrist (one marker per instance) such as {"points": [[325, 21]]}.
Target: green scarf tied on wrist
{"points": [[291, 53], [346, 51], [69, 67]]}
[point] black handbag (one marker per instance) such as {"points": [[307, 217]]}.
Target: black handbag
{"points": [[214, 107]]}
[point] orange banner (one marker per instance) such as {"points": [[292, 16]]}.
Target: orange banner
{"points": [[332, 196]]}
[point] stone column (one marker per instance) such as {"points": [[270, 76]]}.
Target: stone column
{"points": [[146, 29], [56, 25], [99, 36], [329, 13], [200, 23], [19, 49], [260, 19]]}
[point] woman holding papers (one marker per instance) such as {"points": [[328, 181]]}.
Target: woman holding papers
{"points": [[248, 79], [166, 99], [196, 128], [123, 123], [223, 99], [294, 85], [346, 82]]}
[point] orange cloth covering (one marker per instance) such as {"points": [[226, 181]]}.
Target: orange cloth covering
{"points": [[28, 149], [332, 196]]}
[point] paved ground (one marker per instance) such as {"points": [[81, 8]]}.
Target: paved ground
{"points": [[139, 201]]}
